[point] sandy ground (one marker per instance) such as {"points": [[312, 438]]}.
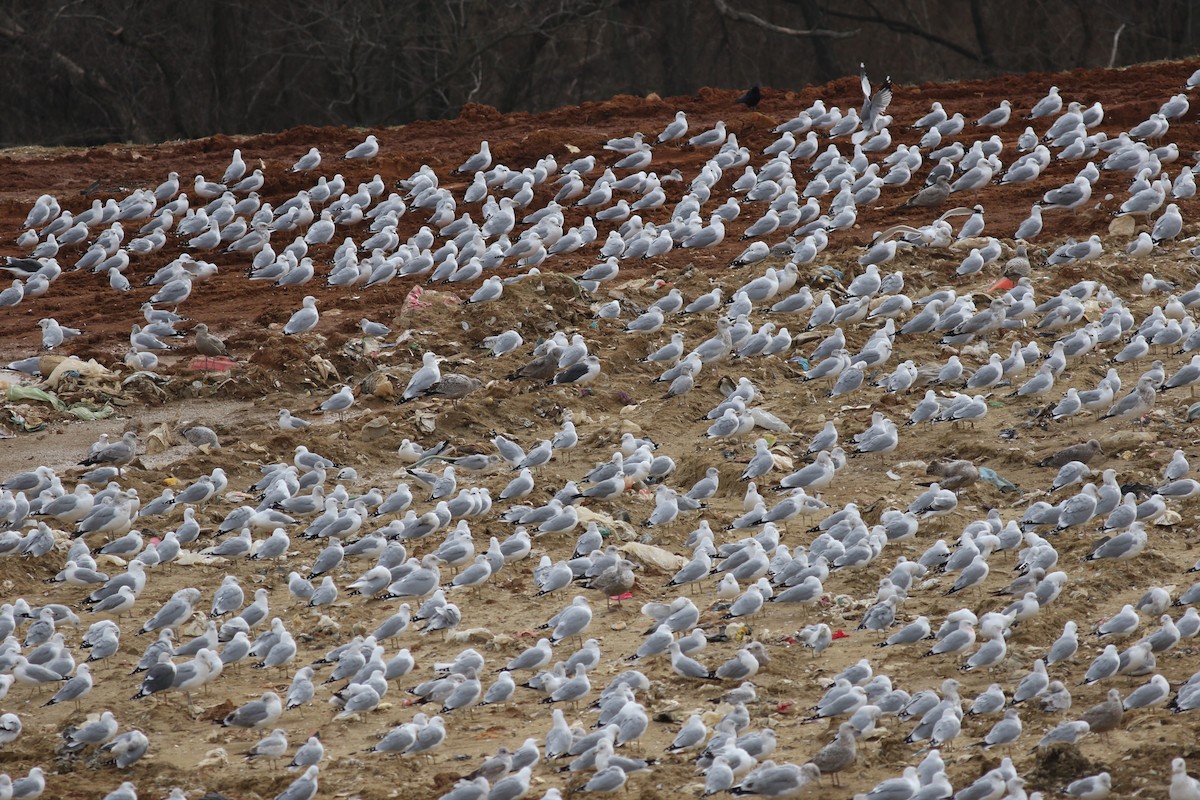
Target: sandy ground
{"points": [[275, 372]]}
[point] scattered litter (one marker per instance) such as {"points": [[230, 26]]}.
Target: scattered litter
{"points": [[211, 364], [1001, 483], [650, 556]]}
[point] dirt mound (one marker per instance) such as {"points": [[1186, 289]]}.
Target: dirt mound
{"points": [[301, 372]]}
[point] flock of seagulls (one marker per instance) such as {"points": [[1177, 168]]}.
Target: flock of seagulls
{"points": [[224, 574]]}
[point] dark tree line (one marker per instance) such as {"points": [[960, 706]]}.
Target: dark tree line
{"points": [[90, 71]]}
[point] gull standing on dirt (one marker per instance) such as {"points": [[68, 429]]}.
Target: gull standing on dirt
{"points": [[303, 788], [308, 754], [931, 196], [778, 780], [271, 747], [289, 423], [425, 377], [614, 581], [303, 320], [255, 714], [571, 621], [677, 129], [339, 402], [997, 117], [838, 755], [207, 344], [580, 373], [307, 162], [369, 148], [95, 732], [476, 163], [1138, 402], [75, 689], [118, 454], [54, 334]]}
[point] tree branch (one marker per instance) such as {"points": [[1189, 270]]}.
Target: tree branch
{"points": [[900, 26], [745, 16], [1085, 22], [79, 77], [827, 68], [981, 35], [1112, 58]]}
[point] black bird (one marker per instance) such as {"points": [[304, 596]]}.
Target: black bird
{"points": [[751, 97]]}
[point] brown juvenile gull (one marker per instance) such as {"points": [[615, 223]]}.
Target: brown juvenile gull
{"points": [[839, 754], [931, 196], [954, 474], [212, 350], [614, 581], [454, 386], [208, 345], [1018, 266], [1104, 717], [926, 374], [1138, 402], [1077, 452], [200, 436], [540, 368]]}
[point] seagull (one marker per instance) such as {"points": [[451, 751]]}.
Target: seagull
{"points": [[1183, 786], [54, 334], [1137, 403], [75, 689], [1004, 732], [580, 373], [423, 378], [571, 621], [272, 747], [93, 732], [997, 117], [480, 161], [289, 423], [931, 196], [255, 714], [303, 788], [303, 320], [838, 755], [1069, 196], [1048, 106], [308, 162], [677, 129], [875, 103], [369, 148], [339, 402]]}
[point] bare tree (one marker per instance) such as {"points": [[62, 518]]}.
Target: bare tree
{"points": [[87, 71]]}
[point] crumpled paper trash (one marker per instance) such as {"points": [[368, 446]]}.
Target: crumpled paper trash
{"points": [[651, 556]]}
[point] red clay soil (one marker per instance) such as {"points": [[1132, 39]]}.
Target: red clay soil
{"points": [[78, 176]]}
